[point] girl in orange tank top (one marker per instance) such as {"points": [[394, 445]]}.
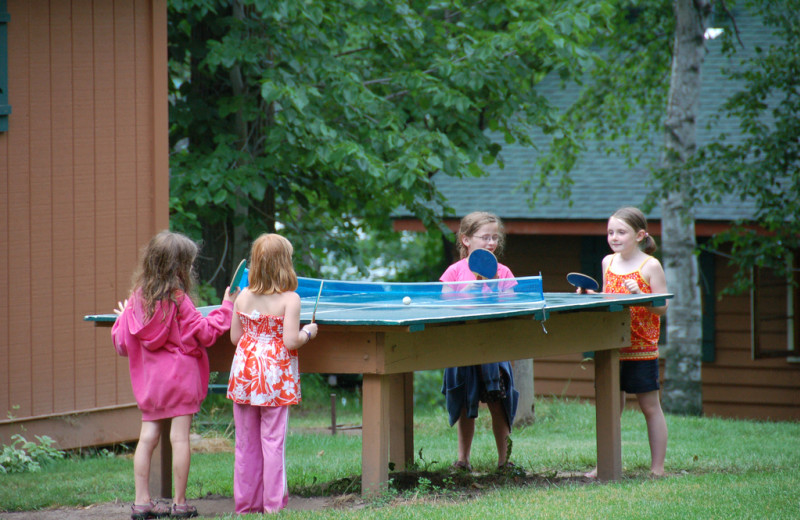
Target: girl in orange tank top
{"points": [[631, 269]]}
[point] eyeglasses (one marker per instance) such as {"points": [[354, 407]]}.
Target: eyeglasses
{"points": [[487, 238]]}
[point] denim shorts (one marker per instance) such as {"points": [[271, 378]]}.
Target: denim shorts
{"points": [[638, 377]]}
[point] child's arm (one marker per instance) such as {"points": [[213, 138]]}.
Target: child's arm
{"points": [[200, 330], [236, 323], [118, 329], [654, 274], [292, 337]]}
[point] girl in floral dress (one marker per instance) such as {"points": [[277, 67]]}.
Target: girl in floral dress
{"points": [[265, 378]]}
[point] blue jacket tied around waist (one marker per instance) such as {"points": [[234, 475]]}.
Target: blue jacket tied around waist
{"points": [[462, 389]]}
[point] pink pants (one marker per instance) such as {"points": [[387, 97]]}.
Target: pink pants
{"points": [[259, 470]]}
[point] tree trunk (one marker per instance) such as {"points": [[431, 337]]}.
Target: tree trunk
{"points": [[682, 392], [523, 381]]}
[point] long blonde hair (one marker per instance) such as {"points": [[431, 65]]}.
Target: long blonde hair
{"points": [[271, 270], [165, 269], [470, 225]]}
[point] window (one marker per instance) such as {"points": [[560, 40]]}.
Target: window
{"points": [[773, 301]]}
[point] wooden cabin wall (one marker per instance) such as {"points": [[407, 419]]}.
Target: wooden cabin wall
{"points": [[85, 184], [734, 384]]}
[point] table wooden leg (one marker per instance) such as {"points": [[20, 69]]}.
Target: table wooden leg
{"points": [[375, 434], [607, 402], [161, 465], [401, 420]]}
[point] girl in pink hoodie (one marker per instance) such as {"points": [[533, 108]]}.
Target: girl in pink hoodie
{"points": [[165, 338]]}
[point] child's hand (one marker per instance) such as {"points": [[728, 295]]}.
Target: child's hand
{"points": [[581, 290], [121, 307], [229, 297], [632, 286], [312, 329]]}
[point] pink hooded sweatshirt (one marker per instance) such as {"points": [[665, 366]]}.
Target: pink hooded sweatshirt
{"points": [[167, 355]]}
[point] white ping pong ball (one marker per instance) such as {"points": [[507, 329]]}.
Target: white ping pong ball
{"points": [[407, 300]]}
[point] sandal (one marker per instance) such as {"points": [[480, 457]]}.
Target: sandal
{"points": [[151, 510], [462, 466], [183, 511], [509, 468]]}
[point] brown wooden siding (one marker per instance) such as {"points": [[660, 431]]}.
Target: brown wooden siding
{"points": [[85, 184]]}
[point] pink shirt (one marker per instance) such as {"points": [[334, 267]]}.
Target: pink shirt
{"points": [[167, 354], [460, 272]]}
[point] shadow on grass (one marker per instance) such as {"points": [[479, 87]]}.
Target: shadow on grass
{"points": [[457, 483]]}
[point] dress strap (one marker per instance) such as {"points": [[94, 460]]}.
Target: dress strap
{"points": [[608, 269], [645, 261]]}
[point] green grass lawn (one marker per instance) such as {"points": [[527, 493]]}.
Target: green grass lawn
{"points": [[717, 468]]}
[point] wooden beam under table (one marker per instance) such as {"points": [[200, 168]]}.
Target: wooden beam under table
{"points": [[401, 420], [375, 434], [607, 410]]}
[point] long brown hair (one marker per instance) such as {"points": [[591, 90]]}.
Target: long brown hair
{"points": [[470, 225], [165, 269], [636, 220], [271, 270]]}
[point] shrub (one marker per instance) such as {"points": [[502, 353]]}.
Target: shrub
{"points": [[23, 455]]}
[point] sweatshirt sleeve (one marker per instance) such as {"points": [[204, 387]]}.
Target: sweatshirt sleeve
{"points": [[203, 330], [118, 333]]}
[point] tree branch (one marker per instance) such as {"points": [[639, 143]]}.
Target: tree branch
{"points": [[733, 21]]}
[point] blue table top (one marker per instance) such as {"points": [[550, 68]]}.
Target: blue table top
{"points": [[371, 303]]}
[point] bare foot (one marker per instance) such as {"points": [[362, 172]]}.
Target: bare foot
{"points": [[591, 474]]}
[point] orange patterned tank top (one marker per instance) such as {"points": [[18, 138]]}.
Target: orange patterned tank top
{"points": [[264, 372], [645, 326]]}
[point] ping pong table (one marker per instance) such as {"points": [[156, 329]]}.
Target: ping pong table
{"points": [[366, 328]]}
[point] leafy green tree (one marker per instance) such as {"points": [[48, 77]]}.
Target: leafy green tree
{"points": [[321, 118], [762, 163]]}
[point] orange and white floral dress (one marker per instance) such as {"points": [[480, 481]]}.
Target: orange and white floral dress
{"points": [[645, 326], [264, 372]]}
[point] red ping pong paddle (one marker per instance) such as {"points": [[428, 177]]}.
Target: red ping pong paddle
{"points": [[583, 281], [483, 264], [237, 276]]}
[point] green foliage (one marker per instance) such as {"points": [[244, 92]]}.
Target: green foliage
{"points": [[23, 455], [761, 166], [320, 118], [428, 389], [622, 98]]}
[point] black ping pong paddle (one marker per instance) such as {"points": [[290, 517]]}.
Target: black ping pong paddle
{"points": [[583, 281], [483, 264], [237, 276]]}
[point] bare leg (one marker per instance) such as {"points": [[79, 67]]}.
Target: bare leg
{"points": [[501, 431], [181, 455], [148, 440], [650, 404], [593, 473], [466, 432]]}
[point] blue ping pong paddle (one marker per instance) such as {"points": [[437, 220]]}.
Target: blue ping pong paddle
{"points": [[483, 264], [583, 281], [237, 276]]}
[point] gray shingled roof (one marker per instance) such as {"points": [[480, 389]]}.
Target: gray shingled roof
{"points": [[599, 188]]}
